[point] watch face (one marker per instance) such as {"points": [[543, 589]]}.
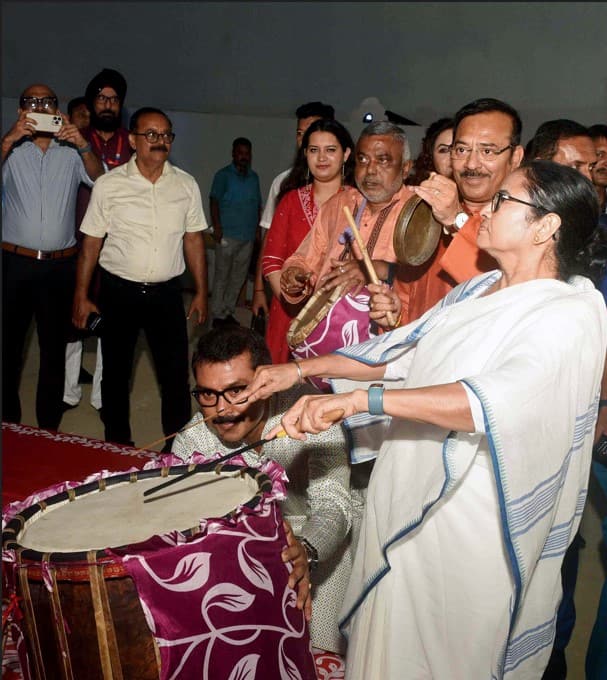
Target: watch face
{"points": [[460, 219]]}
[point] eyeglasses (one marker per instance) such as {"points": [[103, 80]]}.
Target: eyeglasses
{"points": [[205, 396], [35, 102], [460, 152], [112, 99], [502, 196], [152, 136]]}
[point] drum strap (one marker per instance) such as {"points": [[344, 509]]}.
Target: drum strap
{"points": [[106, 634], [64, 650], [379, 223], [30, 620]]}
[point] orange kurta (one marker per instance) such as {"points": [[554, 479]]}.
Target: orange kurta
{"points": [[322, 243], [457, 258]]}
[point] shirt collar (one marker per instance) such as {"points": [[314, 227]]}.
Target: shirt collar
{"points": [[133, 171]]}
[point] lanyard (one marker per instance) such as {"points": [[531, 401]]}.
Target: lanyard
{"points": [[101, 146]]}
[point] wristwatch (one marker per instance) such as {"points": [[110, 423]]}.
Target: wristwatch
{"points": [[311, 552], [460, 219], [376, 399]]}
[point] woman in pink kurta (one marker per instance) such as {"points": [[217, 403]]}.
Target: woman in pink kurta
{"points": [[325, 158]]}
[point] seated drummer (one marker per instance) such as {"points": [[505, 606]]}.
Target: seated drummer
{"points": [[318, 505]]}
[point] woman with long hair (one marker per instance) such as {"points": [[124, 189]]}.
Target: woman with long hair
{"points": [[435, 153], [323, 165]]}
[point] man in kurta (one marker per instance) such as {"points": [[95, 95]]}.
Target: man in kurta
{"points": [[486, 147], [318, 504], [326, 258]]}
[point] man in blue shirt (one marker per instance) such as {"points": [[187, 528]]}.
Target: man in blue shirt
{"points": [[235, 211], [41, 172]]}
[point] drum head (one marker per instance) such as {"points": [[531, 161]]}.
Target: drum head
{"points": [[312, 314], [416, 233], [112, 512]]}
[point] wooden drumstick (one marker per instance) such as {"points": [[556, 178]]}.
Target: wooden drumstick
{"points": [[332, 416], [145, 447], [366, 259]]}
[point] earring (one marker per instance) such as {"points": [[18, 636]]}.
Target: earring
{"points": [[536, 238], [308, 176], [343, 174]]}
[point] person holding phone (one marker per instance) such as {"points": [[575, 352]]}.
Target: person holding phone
{"points": [[41, 172]]}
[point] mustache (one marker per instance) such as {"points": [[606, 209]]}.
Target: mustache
{"points": [[159, 147], [472, 173], [220, 420]]}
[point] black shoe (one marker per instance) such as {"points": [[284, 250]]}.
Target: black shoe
{"points": [[218, 323], [230, 321], [67, 407], [85, 378]]}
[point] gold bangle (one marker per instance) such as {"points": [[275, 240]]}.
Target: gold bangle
{"points": [[397, 322], [299, 373]]}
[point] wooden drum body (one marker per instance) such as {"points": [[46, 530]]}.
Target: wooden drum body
{"points": [[203, 557]]}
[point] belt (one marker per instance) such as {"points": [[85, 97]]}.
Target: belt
{"points": [[135, 285], [39, 254]]}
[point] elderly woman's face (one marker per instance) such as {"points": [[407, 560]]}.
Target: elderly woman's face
{"points": [[508, 231]]}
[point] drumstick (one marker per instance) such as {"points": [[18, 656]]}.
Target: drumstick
{"points": [[145, 447], [366, 259], [332, 416]]}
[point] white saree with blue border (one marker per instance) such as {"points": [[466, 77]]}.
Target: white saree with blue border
{"points": [[423, 602]]}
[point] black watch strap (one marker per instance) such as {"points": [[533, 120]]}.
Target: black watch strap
{"points": [[311, 552]]}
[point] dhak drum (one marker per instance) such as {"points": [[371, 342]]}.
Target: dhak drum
{"points": [[203, 556], [314, 311], [416, 234]]}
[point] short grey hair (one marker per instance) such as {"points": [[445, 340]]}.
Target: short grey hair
{"points": [[383, 127]]}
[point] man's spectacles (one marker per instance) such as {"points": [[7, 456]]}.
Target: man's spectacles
{"points": [[460, 152], [205, 396], [112, 99], [35, 102], [152, 136], [502, 196]]}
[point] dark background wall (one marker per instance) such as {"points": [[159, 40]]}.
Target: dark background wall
{"points": [[232, 68]]}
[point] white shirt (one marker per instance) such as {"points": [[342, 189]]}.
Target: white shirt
{"points": [[144, 221], [270, 207]]}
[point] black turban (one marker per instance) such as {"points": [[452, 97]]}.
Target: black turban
{"points": [[106, 78]]}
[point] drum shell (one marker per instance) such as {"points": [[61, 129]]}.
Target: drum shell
{"points": [[72, 589]]}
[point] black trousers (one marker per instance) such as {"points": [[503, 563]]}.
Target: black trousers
{"points": [[44, 290], [127, 308]]}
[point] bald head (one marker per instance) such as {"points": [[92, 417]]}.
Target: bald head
{"points": [[38, 90]]}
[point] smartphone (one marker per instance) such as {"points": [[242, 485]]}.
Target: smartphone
{"points": [[46, 122], [93, 323]]}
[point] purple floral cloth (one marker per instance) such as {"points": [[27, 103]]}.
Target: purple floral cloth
{"points": [[347, 323], [218, 603]]}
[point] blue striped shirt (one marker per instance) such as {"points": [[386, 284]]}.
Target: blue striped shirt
{"points": [[39, 195]]}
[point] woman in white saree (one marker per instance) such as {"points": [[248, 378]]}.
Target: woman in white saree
{"points": [[483, 425]]}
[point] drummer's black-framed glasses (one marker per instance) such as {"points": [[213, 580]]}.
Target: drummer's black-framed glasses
{"points": [[501, 196], [206, 396]]}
